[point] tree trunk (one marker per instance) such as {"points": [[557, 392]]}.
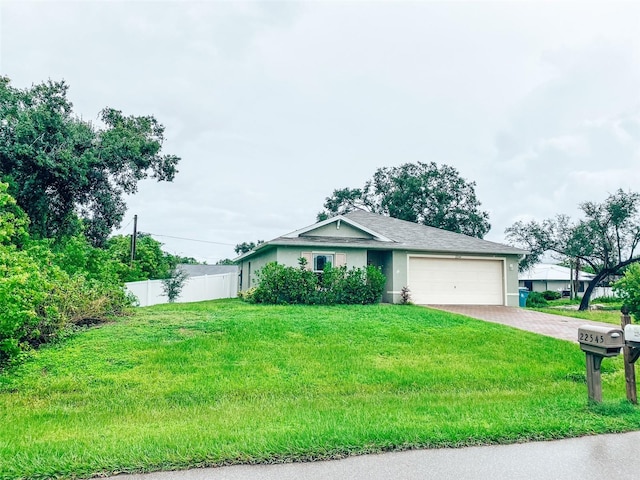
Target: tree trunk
{"points": [[584, 303]]}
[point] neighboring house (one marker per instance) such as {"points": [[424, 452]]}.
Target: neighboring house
{"points": [[438, 266], [546, 276], [196, 270]]}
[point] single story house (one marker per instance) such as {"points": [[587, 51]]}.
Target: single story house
{"points": [[547, 276], [438, 266]]}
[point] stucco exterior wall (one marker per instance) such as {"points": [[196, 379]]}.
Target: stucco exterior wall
{"points": [[289, 256], [398, 276], [331, 230], [251, 265], [511, 267]]}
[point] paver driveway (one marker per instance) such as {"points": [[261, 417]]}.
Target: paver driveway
{"points": [[557, 326]]}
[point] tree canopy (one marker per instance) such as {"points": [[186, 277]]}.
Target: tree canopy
{"points": [[245, 247], [151, 262], [425, 193], [606, 238], [68, 174]]}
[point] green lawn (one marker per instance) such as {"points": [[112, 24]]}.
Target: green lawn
{"points": [[222, 382], [606, 316]]}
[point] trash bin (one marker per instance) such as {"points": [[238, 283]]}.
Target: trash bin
{"points": [[523, 293]]}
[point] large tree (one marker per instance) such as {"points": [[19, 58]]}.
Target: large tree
{"points": [[67, 173], [245, 247], [424, 193], [605, 239]]}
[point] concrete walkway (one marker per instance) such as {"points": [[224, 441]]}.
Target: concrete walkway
{"points": [[557, 326], [587, 458]]}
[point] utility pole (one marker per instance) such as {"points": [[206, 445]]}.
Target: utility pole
{"points": [[133, 239]]}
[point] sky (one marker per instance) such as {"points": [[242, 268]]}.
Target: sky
{"points": [[273, 105]]}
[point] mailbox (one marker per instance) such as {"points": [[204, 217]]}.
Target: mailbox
{"points": [[632, 335], [601, 341]]}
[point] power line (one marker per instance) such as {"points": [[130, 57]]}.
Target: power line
{"points": [[125, 227], [191, 239]]}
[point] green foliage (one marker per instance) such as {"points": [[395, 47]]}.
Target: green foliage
{"points": [[628, 289], [62, 169], [214, 383], [172, 286], [151, 261], [225, 261], [279, 284], [285, 285], [41, 300], [424, 193], [608, 300], [604, 240], [46, 287], [551, 295], [536, 300], [245, 247], [13, 221], [405, 295], [28, 316]]}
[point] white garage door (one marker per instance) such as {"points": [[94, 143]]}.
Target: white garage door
{"points": [[453, 281]]}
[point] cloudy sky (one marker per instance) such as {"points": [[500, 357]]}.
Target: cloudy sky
{"points": [[273, 105]]}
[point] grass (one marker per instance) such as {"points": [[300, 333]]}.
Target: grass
{"points": [[605, 316], [610, 313], [223, 382]]}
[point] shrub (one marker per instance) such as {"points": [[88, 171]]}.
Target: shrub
{"points": [[41, 301], [405, 296], [48, 287], [285, 285], [172, 286], [611, 299], [536, 299], [280, 284], [551, 295], [628, 289], [26, 317]]}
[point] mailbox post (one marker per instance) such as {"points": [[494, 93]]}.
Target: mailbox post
{"points": [[598, 343], [631, 352]]}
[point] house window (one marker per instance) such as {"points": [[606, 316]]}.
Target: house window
{"points": [[320, 260], [317, 261]]}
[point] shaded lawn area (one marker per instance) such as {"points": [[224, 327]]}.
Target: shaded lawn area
{"points": [[211, 383]]}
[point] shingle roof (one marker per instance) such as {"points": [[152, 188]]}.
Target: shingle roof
{"points": [[200, 270], [402, 235], [422, 237]]}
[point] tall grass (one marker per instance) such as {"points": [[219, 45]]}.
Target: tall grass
{"points": [[223, 382]]}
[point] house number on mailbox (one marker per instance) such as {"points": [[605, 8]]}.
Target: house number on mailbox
{"points": [[586, 337]]}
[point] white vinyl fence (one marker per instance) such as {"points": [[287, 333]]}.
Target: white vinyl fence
{"points": [[195, 289]]}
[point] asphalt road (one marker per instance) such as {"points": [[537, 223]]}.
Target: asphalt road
{"points": [[600, 457]]}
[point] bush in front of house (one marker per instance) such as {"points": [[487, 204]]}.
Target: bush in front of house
{"points": [[551, 295], [536, 300], [285, 285], [280, 284]]}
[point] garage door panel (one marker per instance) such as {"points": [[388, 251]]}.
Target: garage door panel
{"points": [[456, 281]]}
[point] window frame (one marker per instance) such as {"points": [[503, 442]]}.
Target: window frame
{"points": [[314, 261], [339, 259]]}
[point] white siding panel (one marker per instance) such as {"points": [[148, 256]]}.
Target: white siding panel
{"points": [[453, 281]]}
